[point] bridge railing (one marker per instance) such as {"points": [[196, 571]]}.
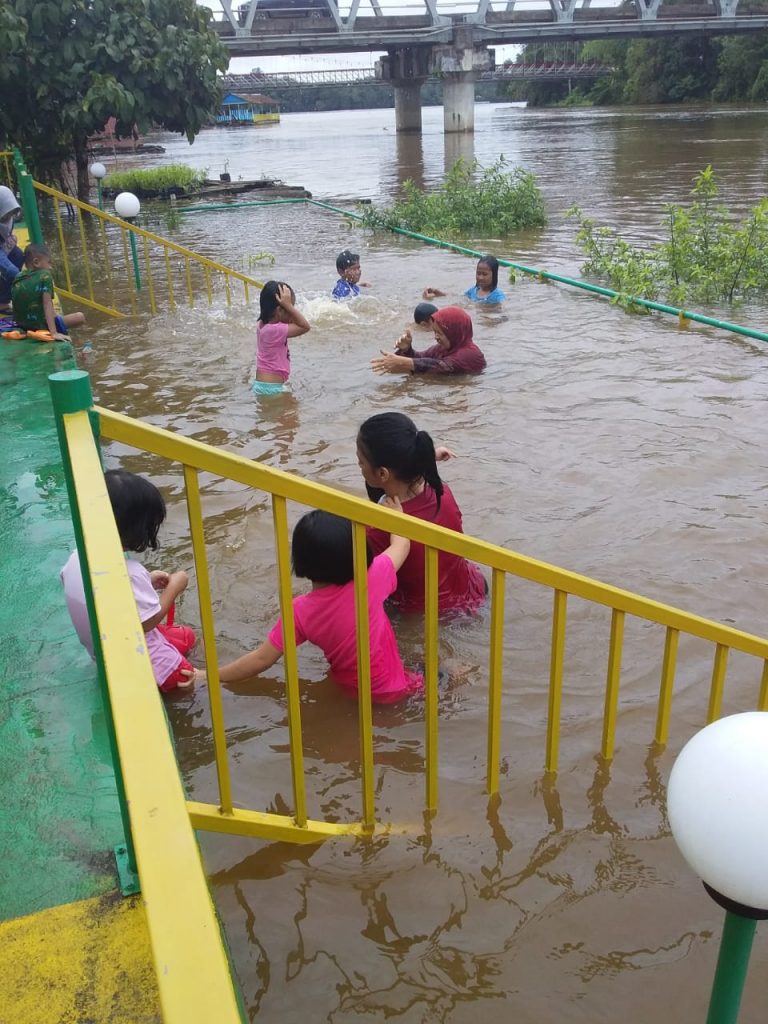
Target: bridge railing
{"points": [[195, 457]]}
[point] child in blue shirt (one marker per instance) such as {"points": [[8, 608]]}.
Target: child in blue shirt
{"points": [[348, 266], [486, 286]]}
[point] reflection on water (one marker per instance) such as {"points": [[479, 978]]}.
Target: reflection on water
{"points": [[615, 445]]}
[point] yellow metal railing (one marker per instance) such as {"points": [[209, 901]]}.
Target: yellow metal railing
{"points": [[192, 966], [197, 457], [161, 821], [152, 271]]}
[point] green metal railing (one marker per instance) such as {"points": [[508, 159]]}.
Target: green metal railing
{"points": [[683, 315]]}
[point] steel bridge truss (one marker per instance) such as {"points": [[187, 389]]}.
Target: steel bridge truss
{"points": [[306, 26]]}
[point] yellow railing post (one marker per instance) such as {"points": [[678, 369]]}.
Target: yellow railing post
{"points": [[430, 677], [197, 533], [360, 550], [612, 684], [557, 656], [280, 520], [495, 678]]}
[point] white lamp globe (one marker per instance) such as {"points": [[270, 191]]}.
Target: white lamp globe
{"points": [[127, 205], [98, 170], [717, 804]]}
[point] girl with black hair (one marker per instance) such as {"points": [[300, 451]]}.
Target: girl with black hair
{"points": [[139, 512], [486, 286], [279, 320], [321, 551], [400, 462]]}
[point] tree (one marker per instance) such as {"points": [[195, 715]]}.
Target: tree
{"points": [[70, 65], [743, 67]]}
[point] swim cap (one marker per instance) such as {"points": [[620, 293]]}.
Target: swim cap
{"points": [[346, 259]]}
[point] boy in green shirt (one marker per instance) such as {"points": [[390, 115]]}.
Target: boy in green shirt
{"points": [[32, 295]]}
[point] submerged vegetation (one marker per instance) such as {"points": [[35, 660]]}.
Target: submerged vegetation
{"points": [[708, 256], [493, 201], [160, 181]]}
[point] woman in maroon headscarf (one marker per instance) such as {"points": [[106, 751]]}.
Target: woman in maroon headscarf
{"points": [[455, 351]]}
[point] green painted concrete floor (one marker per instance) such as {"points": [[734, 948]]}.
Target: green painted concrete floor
{"points": [[59, 818]]}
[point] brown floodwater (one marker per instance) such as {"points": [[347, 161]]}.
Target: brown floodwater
{"points": [[614, 445]]}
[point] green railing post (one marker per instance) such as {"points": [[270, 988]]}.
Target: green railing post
{"points": [[135, 257], [731, 972], [29, 206], [70, 393]]}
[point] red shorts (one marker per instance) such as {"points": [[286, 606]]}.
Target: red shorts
{"points": [[183, 639]]}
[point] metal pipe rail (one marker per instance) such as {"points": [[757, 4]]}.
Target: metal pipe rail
{"points": [[683, 315]]}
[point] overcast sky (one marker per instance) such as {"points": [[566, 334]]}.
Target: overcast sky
{"points": [[242, 65]]}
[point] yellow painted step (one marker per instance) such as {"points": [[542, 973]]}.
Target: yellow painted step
{"points": [[85, 961]]}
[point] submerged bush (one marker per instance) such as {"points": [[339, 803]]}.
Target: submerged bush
{"points": [[491, 201], [157, 181], [709, 255]]}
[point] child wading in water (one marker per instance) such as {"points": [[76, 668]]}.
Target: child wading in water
{"points": [[32, 295], [321, 551], [486, 286], [139, 511], [400, 462], [279, 321]]}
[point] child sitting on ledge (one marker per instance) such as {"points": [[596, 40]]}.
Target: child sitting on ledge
{"points": [[32, 294]]}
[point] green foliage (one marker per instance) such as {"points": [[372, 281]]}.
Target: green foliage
{"points": [[158, 181], [471, 201], [707, 257], [70, 65], [658, 70]]}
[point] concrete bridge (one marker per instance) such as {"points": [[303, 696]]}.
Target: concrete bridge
{"points": [[451, 38]]}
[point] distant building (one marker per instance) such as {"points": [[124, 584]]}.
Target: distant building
{"points": [[250, 109]]}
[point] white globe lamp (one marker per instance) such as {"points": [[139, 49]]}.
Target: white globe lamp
{"points": [[717, 804], [98, 171], [127, 205]]}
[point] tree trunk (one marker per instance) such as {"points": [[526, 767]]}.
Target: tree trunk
{"points": [[81, 162]]}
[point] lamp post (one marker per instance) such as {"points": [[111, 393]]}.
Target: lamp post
{"points": [[717, 803], [98, 171], [127, 206]]}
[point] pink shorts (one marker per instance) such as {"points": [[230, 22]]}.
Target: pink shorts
{"points": [[183, 639]]}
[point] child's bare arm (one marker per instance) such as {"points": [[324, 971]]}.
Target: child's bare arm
{"points": [[250, 665], [299, 323], [177, 584], [398, 546], [432, 293]]}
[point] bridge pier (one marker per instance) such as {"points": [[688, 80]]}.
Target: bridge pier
{"points": [[459, 66], [407, 69], [407, 104], [459, 102]]}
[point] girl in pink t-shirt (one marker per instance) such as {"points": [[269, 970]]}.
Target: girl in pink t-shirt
{"points": [[321, 551], [279, 320]]}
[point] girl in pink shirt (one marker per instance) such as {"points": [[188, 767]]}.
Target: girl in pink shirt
{"points": [[400, 462], [321, 551], [279, 320]]}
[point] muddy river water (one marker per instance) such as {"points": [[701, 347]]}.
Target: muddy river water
{"points": [[617, 446]]}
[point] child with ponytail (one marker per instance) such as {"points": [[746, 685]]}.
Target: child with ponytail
{"points": [[399, 461]]}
